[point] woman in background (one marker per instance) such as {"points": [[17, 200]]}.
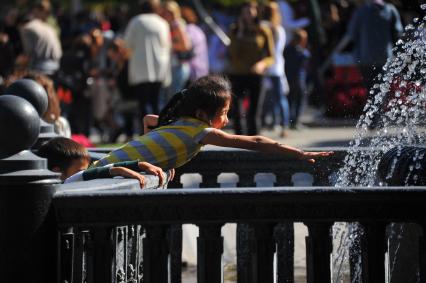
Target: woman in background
{"points": [[251, 53]]}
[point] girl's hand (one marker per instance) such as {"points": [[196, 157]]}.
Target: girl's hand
{"points": [[171, 174], [153, 170], [311, 155], [127, 173]]}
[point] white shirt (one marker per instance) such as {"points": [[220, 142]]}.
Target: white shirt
{"points": [[148, 37], [278, 68], [41, 43]]}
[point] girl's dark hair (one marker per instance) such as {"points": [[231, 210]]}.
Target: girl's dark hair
{"points": [[209, 93]]}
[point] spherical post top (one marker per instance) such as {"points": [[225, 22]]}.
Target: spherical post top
{"points": [[31, 91], [19, 125]]}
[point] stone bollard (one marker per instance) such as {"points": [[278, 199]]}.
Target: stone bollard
{"points": [[37, 96], [28, 236]]}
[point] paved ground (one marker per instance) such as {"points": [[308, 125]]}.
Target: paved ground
{"points": [[317, 132]]}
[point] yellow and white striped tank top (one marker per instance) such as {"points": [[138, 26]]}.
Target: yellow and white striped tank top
{"points": [[168, 147]]}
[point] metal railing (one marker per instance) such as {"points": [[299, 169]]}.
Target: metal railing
{"points": [[111, 231]]}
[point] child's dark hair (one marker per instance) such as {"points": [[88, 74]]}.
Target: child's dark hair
{"points": [[61, 151], [209, 93]]}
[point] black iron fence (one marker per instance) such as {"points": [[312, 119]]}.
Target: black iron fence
{"points": [[111, 231]]}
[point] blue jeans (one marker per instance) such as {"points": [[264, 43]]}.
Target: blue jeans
{"points": [[275, 100]]}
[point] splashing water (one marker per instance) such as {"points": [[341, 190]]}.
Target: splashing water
{"points": [[395, 113]]}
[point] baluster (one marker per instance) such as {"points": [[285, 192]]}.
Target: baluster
{"points": [[284, 238], [155, 255], [174, 233], [246, 179], [66, 255], [139, 266], [103, 255], [209, 180], [318, 249], [255, 251], [245, 236], [175, 183], [321, 174], [87, 257], [373, 253], [79, 250], [132, 253], [283, 179], [422, 253], [209, 254], [263, 253], [120, 240]]}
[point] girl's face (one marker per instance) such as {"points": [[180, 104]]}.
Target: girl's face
{"points": [[220, 120]]}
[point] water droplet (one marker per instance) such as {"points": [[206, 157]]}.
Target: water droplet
{"points": [[409, 27], [423, 6]]}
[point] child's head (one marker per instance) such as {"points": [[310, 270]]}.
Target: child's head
{"points": [[205, 98], [300, 38], [64, 156]]}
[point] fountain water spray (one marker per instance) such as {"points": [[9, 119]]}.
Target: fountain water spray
{"points": [[395, 114]]}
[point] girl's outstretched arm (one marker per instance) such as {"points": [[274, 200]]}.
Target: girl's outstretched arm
{"points": [[259, 143]]}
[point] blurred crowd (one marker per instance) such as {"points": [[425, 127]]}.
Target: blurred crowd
{"points": [[106, 67]]}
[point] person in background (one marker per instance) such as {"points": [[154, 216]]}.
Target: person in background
{"points": [[40, 41], [182, 49], [71, 159], [10, 42], [374, 29], [250, 53], [296, 56], [148, 37], [199, 63], [289, 20], [275, 74], [119, 57]]}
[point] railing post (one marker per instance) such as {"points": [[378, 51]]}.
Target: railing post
{"points": [[245, 237], [321, 175], [175, 183], [140, 235], [373, 253], [256, 246], [120, 254], [263, 254], [422, 253], [66, 255], [246, 179], [132, 253], [102, 254], [209, 254], [318, 249], [209, 180], [174, 233], [155, 255], [284, 237]]}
